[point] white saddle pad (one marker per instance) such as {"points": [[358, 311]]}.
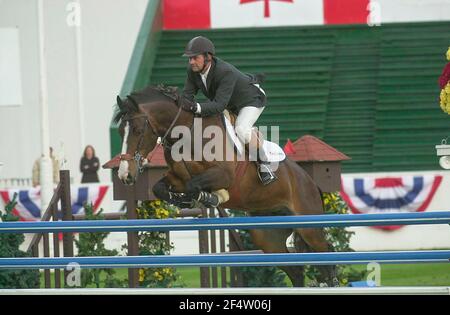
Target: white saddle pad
{"points": [[273, 151]]}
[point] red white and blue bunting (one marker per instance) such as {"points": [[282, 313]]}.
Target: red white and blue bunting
{"points": [[389, 194], [28, 206]]}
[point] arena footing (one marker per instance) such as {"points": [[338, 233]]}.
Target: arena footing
{"points": [[237, 291]]}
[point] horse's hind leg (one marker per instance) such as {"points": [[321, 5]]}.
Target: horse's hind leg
{"points": [[306, 200], [315, 239], [274, 241]]}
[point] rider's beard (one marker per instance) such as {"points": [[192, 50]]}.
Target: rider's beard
{"points": [[200, 69], [195, 68]]}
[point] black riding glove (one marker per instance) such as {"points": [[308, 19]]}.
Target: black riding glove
{"points": [[188, 105]]}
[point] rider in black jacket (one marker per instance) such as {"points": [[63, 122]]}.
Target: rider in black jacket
{"points": [[226, 88]]}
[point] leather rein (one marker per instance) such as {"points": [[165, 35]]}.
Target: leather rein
{"points": [[138, 157]]}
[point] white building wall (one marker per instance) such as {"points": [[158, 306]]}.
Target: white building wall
{"points": [[109, 30], [408, 237]]}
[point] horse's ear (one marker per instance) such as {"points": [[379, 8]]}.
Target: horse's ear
{"points": [[119, 103]]}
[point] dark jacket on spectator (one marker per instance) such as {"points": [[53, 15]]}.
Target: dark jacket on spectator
{"points": [[89, 168]]}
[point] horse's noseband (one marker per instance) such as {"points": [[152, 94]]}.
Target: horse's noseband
{"points": [[137, 157]]}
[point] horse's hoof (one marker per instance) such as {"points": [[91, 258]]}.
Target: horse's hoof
{"points": [[336, 283]]}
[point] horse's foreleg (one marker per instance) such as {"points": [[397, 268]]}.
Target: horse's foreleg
{"points": [[210, 186], [169, 189], [214, 178], [161, 189]]}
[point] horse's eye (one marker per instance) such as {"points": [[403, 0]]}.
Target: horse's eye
{"points": [[138, 131]]}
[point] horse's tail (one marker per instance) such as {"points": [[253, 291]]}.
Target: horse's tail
{"points": [[321, 198]]}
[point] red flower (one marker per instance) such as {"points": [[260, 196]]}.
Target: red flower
{"points": [[445, 77]]}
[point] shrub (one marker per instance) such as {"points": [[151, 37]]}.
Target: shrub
{"points": [[9, 247], [93, 244], [156, 243]]}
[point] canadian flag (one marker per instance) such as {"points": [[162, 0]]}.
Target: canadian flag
{"points": [[205, 14], [250, 13]]}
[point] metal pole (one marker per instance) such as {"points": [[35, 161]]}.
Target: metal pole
{"points": [[132, 237], [79, 56], [46, 172], [203, 249], [66, 208]]}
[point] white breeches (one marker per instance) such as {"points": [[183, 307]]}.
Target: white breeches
{"points": [[246, 118]]}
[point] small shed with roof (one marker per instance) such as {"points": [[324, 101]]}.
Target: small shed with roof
{"points": [[320, 160]]}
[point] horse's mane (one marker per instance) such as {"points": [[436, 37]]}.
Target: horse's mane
{"points": [[149, 94], [154, 93]]}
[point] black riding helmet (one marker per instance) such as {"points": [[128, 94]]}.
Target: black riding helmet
{"points": [[199, 45]]}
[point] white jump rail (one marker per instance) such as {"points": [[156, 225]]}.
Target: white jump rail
{"points": [[237, 291]]}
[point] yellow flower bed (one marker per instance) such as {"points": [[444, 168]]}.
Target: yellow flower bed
{"points": [[445, 99], [155, 243]]}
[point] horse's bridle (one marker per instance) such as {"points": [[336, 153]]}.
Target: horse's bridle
{"points": [[137, 157]]}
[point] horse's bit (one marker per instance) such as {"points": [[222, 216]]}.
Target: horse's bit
{"points": [[138, 157]]}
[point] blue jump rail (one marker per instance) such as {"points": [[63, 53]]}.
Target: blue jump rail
{"points": [[267, 222], [232, 260]]}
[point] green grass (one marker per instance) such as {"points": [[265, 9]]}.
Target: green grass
{"points": [[414, 274], [391, 275]]}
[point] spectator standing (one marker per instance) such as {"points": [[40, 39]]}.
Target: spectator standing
{"points": [[89, 165]]}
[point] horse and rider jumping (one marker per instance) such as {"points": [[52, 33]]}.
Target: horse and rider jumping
{"points": [[148, 118]]}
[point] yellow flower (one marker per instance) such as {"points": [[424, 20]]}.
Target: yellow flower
{"points": [[167, 270], [141, 275], [448, 53], [157, 203], [161, 213], [158, 276], [447, 88], [445, 99]]}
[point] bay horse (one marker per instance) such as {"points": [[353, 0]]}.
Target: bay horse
{"points": [[152, 114]]}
